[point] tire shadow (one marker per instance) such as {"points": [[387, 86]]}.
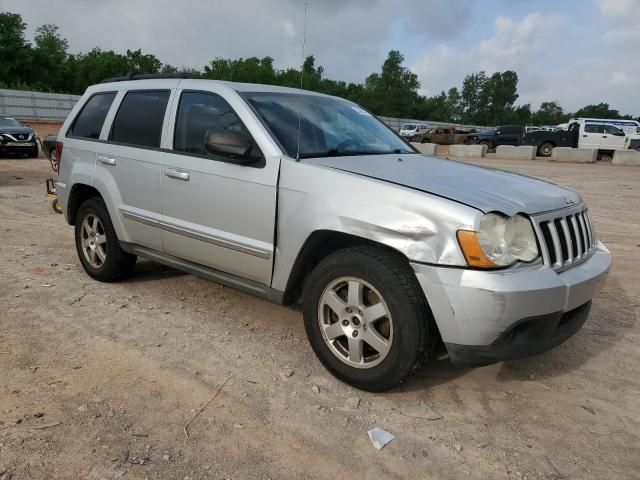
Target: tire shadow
{"points": [[150, 271]]}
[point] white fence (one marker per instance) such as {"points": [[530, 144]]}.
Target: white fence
{"points": [[26, 105]]}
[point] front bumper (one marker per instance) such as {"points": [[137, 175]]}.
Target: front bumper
{"points": [[17, 147], [490, 316]]}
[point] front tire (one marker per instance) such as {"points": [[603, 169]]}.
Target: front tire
{"points": [[367, 319], [97, 244], [33, 153]]}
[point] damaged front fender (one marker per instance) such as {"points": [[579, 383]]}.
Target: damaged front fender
{"points": [[419, 225]]}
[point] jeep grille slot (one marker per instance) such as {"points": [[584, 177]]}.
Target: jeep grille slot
{"points": [[567, 238]]}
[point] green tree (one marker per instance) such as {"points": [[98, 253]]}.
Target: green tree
{"points": [[601, 110], [549, 113], [250, 70], [393, 91], [50, 55], [137, 61], [15, 52]]}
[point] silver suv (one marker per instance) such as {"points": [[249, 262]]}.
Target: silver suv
{"points": [[300, 197]]}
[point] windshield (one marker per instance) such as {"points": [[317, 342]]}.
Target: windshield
{"points": [[328, 126], [9, 122], [408, 126]]}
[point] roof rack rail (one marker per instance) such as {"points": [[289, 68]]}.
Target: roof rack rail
{"points": [[148, 76]]}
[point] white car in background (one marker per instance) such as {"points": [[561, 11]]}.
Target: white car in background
{"points": [[409, 130]]}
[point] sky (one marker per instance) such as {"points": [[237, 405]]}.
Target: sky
{"points": [[575, 52]]}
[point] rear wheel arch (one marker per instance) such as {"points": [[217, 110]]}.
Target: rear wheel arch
{"points": [[79, 194], [319, 245]]}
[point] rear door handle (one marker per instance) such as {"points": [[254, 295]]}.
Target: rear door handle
{"points": [[177, 174], [604, 136], [106, 160]]}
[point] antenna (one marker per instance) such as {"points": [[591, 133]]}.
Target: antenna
{"points": [[304, 44]]}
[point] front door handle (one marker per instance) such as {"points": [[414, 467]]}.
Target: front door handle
{"points": [[106, 160], [177, 174], [604, 136], [585, 135]]}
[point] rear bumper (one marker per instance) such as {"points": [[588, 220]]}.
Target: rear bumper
{"points": [[489, 316]]}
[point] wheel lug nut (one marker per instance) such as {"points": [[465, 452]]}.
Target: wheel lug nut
{"points": [[354, 334], [345, 322], [348, 310]]}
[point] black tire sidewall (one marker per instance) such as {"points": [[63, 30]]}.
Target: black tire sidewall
{"points": [[116, 265], [409, 326]]}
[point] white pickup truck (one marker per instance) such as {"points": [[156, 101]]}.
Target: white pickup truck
{"points": [[580, 133]]}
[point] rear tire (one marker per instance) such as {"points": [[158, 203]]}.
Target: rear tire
{"points": [[395, 328], [97, 244], [545, 149]]}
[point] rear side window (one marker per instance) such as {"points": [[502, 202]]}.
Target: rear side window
{"points": [[89, 121], [140, 117], [593, 129], [510, 130], [198, 113]]}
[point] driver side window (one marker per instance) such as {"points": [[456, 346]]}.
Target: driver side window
{"points": [[199, 113]]}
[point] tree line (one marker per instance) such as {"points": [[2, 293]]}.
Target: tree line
{"points": [[47, 65]]}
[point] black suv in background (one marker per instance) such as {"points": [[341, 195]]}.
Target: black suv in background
{"points": [[15, 138], [502, 135]]}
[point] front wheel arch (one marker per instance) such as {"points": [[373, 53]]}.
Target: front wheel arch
{"points": [[318, 245]]}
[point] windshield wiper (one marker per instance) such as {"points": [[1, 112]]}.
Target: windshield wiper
{"points": [[339, 152], [335, 152]]}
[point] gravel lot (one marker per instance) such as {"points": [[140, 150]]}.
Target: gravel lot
{"points": [[98, 381]]}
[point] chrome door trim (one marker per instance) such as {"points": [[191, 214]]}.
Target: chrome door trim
{"points": [[196, 235]]}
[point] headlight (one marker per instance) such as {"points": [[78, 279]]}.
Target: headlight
{"points": [[501, 241]]}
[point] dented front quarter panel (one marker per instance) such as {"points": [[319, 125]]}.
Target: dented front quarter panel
{"points": [[419, 225]]}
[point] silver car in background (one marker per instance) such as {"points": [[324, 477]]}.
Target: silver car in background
{"points": [[301, 197]]}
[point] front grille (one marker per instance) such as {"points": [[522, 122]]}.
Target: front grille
{"points": [[567, 238]]}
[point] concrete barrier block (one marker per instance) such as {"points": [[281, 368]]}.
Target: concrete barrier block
{"points": [[577, 155], [426, 148], [511, 152], [626, 157], [468, 151]]}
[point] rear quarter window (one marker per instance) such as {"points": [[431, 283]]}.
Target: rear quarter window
{"points": [[140, 117], [89, 121]]}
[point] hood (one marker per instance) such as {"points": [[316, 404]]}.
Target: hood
{"points": [[483, 188], [16, 130]]}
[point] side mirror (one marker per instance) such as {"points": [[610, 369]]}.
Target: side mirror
{"points": [[234, 145]]}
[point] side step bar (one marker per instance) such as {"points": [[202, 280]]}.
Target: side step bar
{"points": [[227, 279]]}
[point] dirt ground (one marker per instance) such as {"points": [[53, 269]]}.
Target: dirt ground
{"points": [[98, 381]]}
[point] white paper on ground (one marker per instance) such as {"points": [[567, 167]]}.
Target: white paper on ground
{"points": [[379, 438]]}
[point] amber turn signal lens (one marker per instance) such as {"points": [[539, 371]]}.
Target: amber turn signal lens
{"points": [[472, 251]]}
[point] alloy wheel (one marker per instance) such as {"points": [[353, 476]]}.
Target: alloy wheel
{"points": [[355, 322], [93, 241]]}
